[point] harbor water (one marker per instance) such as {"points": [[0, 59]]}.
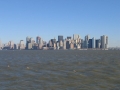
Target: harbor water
{"points": [[59, 70]]}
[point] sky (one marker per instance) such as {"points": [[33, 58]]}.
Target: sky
{"points": [[50, 18]]}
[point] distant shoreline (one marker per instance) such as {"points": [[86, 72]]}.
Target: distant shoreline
{"points": [[48, 49]]}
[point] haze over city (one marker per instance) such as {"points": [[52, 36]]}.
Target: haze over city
{"points": [[50, 18]]}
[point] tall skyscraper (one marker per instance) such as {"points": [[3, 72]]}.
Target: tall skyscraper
{"points": [[60, 38], [90, 43], [53, 41], [30, 46], [64, 44], [11, 44], [58, 46], [32, 41], [16, 46], [21, 45], [98, 43], [75, 36], [50, 43], [38, 39], [87, 37], [93, 42], [71, 45], [40, 45], [61, 43], [67, 44], [104, 42], [69, 37], [27, 41], [82, 43], [86, 41]]}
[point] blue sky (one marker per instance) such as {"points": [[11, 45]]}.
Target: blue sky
{"points": [[50, 18]]}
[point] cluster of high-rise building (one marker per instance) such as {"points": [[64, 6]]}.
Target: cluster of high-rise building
{"points": [[74, 42]]}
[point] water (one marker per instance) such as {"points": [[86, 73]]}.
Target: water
{"points": [[60, 70]]}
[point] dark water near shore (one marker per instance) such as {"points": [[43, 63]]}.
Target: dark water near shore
{"points": [[60, 70]]}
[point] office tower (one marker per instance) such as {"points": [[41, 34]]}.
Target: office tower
{"points": [[104, 42], [54, 46], [87, 37], [86, 41], [67, 44], [58, 45], [35, 46], [82, 43], [21, 45], [38, 39], [78, 46], [61, 43], [30, 46], [16, 46], [11, 44], [60, 38], [90, 43], [53, 41], [27, 41], [93, 42], [75, 43], [32, 41], [68, 37], [44, 44], [75, 36], [40, 45], [64, 44], [50, 43], [71, 45], [97, 43]]}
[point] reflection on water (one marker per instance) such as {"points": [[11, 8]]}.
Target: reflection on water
{"points": [[60, 70]]}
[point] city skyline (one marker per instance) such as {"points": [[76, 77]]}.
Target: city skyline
{"points": [[48, 18], [63, 43], [72, 37]]}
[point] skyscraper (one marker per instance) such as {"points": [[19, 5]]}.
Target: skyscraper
{"points": [[82, 43], [75, 36], [69, 37], [58, 46], [53, 41], [93, 42], [50, 43], [61, 43], [104, 42], [21, 45], [67, 44], [40, 45], [90, 43], [97, 43], [27, 41], [60, 38], [64, 44], [38, 39], [86, 41], [11, 44]]}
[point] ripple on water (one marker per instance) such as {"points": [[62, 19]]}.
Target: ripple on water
{"points": [[60, 70]]}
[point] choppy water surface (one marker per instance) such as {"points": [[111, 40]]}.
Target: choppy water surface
{"points": [[59, 70]]}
